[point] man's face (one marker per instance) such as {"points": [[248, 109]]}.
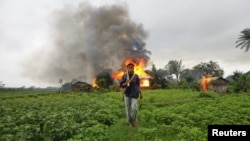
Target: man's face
{"points": [[130, 69]]}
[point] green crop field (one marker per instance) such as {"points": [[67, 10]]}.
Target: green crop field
{"points": [[164, 115]]}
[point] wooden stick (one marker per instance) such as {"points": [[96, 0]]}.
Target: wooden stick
{"points": [[127, 75]]}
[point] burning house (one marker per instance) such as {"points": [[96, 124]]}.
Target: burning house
{"points": [[218, 84], [145, 82]]}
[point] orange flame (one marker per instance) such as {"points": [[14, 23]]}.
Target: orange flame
{"points": [[205, 82], [138, 69], [144, 83], [94, 84]]}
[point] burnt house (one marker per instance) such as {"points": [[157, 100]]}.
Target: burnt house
{"points": [[80, 86], [220, 85]]}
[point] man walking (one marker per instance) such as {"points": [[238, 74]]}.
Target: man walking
{"points": [[131, 83]]}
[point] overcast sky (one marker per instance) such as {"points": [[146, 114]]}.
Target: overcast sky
{"points": [[193, 31]]}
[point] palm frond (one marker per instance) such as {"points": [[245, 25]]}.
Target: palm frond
{"points": [[248, 46], [240, 44], [244, 39]]}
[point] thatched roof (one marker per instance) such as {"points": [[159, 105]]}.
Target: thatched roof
{"points": [[219, 81], [80, 86]]}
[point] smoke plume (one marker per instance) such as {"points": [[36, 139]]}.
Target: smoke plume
{"points": [[86, 40]]}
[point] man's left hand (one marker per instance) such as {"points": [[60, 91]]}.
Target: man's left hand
{"points": [[140, 96]]}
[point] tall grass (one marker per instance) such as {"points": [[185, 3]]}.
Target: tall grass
{"points": [[172, 115]]}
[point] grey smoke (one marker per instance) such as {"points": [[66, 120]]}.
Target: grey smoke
{"points": [[86, 40]]}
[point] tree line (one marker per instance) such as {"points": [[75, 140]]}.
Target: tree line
{"points": [[175, 75]]}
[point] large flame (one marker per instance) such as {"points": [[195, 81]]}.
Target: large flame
{"points": [[138, 69], [205, 81]]}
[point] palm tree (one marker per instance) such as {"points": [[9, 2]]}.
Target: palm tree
{"points": [[244, 40], [153, 73], [60, 82], [1, 84], [175, 67], [160, 77]]}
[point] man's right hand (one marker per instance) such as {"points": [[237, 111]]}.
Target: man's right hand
{"points": [[126, 83]]}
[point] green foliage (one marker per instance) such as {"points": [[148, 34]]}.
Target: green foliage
{"points": [[209, 68], [206, 95], [173, 114], [66, 87], [183, 84], [104, 79], [241, 83]]}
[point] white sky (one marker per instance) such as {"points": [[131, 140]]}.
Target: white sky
{"points": [[194, 31]]}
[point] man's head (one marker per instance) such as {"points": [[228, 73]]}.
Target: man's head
{"points": [[130, 67]]}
